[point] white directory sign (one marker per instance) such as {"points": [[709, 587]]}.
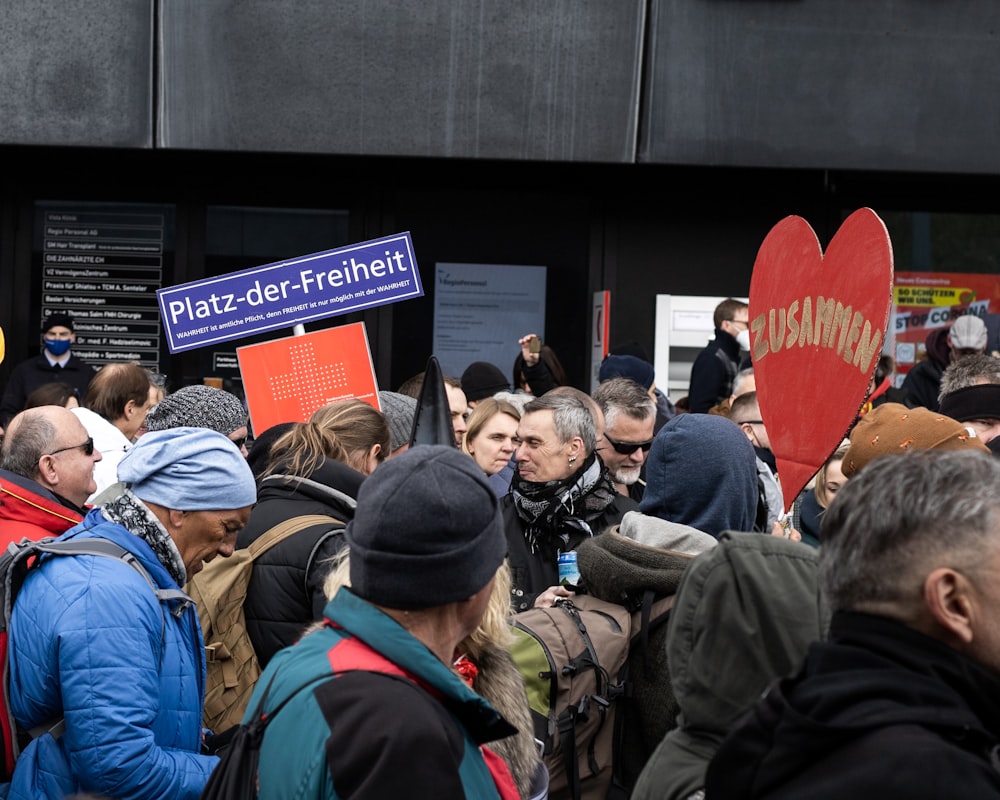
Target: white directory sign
{"points": [[481, 310]]}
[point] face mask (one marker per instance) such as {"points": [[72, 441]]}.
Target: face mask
{"points": [[743, 337], [58, 347]]}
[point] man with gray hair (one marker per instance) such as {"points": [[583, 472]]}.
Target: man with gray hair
{"points": [[46, 474], [561, 494], [902, 699], [629, 419]]}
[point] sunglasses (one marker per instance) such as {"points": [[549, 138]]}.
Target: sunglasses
{"points": [[88, 448], [627, 448], [239, 442]]}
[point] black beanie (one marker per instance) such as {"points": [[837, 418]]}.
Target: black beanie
{"points": [[57, 320], [482, 379], [981, 401], [426, 532]]}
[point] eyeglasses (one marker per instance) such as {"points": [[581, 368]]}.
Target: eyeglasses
{"points": [[739, 322], [627, 448], [88, 448], [751, 422], [239, 442]]}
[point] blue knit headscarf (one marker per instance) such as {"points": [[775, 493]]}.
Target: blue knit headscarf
{"points": [[702, 472], [188, 469]]}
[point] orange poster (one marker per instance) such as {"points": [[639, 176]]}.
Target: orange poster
{"points": [[288, 379]]}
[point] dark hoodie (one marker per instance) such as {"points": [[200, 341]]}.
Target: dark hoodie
{"points": [[878, 711], [922, 383], [744, 615], [702, 472]]}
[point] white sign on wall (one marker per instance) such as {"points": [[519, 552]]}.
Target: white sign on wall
{"points": [[481, 310], [684, 325]]}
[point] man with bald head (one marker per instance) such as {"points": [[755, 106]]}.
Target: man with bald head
{"points": [[46, 473]]}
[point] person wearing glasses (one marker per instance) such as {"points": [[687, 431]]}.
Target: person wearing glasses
{"points": [[745, 412], [560, 495], [716, 365], [46, 474], [629, 420]]}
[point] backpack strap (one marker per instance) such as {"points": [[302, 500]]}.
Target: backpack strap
{"points": [[283, 530], [108, 549], [104, 548]]}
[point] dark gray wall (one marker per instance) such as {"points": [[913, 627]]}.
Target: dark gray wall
{"points": [[886, 86], [554, 80], [76, 73], [815, 84]]}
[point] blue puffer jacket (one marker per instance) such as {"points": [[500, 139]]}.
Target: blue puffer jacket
{"points": [[90, 640]]}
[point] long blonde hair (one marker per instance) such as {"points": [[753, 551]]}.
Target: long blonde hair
{"points": [[494, 627], [344, 431]]}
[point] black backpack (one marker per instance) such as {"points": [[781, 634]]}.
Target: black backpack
{"points": [[235, 776]]}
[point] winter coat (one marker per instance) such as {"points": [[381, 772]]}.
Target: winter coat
{"points": [[922, 383], [29, 510], [286, 586], [90, 640], [499, 681], [37, 371], [744, 615], [533, 573], [880, 710], [713, 372], [642, 555], [366, 733]]}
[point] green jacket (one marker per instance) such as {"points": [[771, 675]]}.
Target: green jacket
{"points": [[744, 615]]}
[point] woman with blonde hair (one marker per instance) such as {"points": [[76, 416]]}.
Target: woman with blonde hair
{"points": [[813, 502], [314, 468], [491, 437]]}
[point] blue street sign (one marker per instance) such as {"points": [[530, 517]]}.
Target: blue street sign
{"points": [[288, 293]]}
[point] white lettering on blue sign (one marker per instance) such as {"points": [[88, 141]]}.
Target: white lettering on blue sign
{"points": [[288, 293]]}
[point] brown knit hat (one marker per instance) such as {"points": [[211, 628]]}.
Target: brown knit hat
{"points": [[892, 428]]}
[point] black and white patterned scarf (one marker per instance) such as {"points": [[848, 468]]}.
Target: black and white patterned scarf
{"points": [[128, 511], [553, 510]]}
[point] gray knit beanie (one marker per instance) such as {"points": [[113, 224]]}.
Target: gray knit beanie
{"points": [[198, 407], [398, 410], [426, 532]]}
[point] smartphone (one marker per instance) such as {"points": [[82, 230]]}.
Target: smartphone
{"points": [[535, 345]]}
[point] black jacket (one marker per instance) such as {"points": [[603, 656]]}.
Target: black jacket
{"points": [[533, 573], [34, 372], [878, 711], [713, 372], [286, 587]]}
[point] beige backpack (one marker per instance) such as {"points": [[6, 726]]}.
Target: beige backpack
{"points": [[219, 591]]}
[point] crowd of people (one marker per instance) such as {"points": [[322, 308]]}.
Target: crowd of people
{"points": [[850, 625]]}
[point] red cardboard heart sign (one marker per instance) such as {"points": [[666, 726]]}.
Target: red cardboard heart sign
{"points": [[817, 324]]}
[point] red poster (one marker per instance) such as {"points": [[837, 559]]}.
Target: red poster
{"points": [[288, 379], [926, 301], [817, 324]]}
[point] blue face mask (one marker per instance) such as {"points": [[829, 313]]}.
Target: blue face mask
{"points": [[57, 347]]}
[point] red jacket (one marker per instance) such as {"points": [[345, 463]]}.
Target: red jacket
{"points": [[29, 510]]}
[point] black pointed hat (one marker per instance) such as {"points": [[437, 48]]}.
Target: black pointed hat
{"points": [[432, 419]]}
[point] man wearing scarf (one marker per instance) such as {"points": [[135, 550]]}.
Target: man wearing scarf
{"points": [[561, 494]]}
